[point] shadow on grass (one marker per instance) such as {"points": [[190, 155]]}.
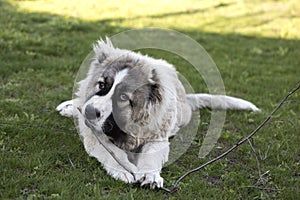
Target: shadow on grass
{"points": [[39, 57]]}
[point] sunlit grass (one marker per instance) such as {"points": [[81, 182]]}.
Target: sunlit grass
{"points": [[280, 19]]}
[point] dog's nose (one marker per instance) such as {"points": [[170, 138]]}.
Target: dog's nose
{"points": [[91, 112]]}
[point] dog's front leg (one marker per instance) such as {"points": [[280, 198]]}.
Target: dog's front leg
{"points": [[114, 159], [150, 162], [115, 162]]}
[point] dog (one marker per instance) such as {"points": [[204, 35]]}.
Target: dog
{"points": [[128, 106]]}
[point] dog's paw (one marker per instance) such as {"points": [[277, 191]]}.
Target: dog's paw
{"points": [[123, 176], [66, 108], [153, 180]]}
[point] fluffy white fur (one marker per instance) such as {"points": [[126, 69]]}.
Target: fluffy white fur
{"points": [[164, 120]]}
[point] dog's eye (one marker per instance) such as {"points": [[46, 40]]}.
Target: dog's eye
{"points": [[101, 85], [124, 97]]}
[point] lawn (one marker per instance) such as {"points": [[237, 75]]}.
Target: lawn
{"points": [[255, 45]]}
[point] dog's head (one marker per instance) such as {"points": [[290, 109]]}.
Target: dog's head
{"points": [[122, 94]]}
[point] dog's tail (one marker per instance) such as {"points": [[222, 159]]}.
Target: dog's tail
{"points": [[219, 102]]}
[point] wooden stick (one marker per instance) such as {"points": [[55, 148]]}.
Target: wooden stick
{"points": [[240, 142]]}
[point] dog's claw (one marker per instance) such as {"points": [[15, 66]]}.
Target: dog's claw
{"points": [[153, 180]]}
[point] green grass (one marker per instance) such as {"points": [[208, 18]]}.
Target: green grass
{"points": [[42, 43]]}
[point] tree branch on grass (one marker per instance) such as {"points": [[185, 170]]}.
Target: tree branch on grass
{"points": [[72, 164], [239, 143], [261, 180], [257, 161], [263, 156]]}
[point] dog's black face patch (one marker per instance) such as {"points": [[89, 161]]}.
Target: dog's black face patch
{"points": [[108, 75], [117, 136], [105, 86], [112, 130]]}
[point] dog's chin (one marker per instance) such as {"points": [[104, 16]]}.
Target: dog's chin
{"points": [[115, 134], [108, 126], [120, 138], [111, 128]]}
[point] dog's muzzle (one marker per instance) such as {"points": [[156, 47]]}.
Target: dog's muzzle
{"points": [[91, 113]]}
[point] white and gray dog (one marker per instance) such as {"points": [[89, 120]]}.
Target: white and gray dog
{"points": [[128, 107]]}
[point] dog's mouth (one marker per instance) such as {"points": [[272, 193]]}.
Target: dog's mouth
{"points": [[119, 137], [115, 134], [109, 128], [112, 130]]}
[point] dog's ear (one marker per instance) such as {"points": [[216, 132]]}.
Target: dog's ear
{"points": [[102, 49], [155, 95], [145, 97]]}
